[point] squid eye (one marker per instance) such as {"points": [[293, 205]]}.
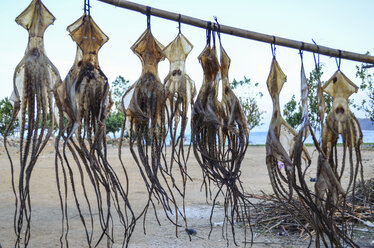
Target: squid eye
{"points": [[177, 72], [339, 110], [227, 90]]}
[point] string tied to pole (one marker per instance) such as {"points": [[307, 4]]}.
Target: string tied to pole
{"points": [[87, 7], [338, 60], [272, 46], [218, 29], [301, 51], [316, 61], [214, 37], [148, 13], [179, 23], [208, 33]]}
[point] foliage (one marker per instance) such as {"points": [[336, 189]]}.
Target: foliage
{"points": [[292, 109], [114, 122], [118, 89], [115, 118], [367, 84], [292, 112], [249, 103], [6, 110], [312, 81]]}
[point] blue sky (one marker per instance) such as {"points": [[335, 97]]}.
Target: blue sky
{"points": [[344, 24]]}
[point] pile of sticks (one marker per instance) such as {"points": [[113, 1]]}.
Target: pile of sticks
{"points": [[364, 193], [270, 216]]}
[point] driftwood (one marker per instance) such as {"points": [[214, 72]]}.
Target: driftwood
{"points": [[269, 215], [34, 79], [84, 101]]}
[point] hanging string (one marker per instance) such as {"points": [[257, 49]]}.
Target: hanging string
{"points": [[339, 60], [301, 51], [218, 29], [316, 63], [148, 13], [214, 38], [273, 48], [208, 33], [87, 7], [179, 23]]}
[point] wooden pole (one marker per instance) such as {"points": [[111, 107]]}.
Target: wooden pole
{"points": [[244, 33]]}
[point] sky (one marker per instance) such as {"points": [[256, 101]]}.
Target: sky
{"points": [[343, 24]]}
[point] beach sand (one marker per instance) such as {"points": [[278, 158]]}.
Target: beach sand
{"points": [[46, 213]]}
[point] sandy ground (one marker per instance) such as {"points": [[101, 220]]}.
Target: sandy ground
{"points": [[46, 213]]}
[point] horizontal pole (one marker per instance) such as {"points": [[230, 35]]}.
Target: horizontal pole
{"points": [[244, 33]]}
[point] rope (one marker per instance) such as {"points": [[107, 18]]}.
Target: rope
{"points": [[218, 29], [179, 24], [316, 63], [339, 60], [148, 13], [208, 33], [87, 7], [273, 48]]}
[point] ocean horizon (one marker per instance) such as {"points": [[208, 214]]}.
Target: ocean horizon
{"points": [[259, 138]]}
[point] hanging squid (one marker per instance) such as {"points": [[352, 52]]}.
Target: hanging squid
{"points": [[287, 171], [33, 83], [180, 91], [330, 193], [285, 152], [143, 105], [220, 139], [281, 137], [84, 101]]}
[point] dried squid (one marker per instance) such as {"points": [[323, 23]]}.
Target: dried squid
{"points": [[285, 151], [220, 139], [330, 194], [143, 105], [33, 83], [84, 101], [287, 173], [180, 91]]}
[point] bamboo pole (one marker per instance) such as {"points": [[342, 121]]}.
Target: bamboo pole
{"points": [[244, 33]]}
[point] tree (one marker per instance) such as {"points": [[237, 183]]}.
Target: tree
{"points": [[6, 111], [292, 112], [118, 89], [367, 84], [115, 118], [249, 103], [292, 109], [114, 121]]}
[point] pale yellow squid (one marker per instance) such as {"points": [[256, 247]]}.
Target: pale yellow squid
{"points": [[34, 80], [143, 105], [84, 101], [281, 136], [180, 92], [340, 121]]}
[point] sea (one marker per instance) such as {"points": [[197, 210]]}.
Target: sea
{"points": [[259, 138]]}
